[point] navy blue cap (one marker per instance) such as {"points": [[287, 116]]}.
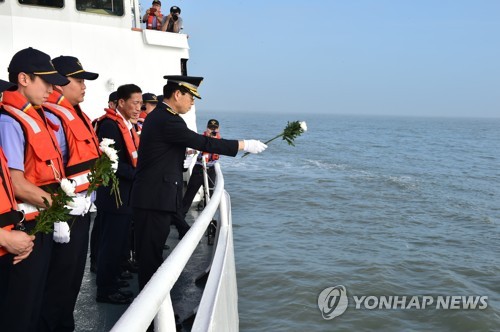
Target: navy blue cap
{"points": [[175, 9], [213, 124], [113, 96], [33, 61], [70, 66], [7, 86], [149, 98], [191, 83]]}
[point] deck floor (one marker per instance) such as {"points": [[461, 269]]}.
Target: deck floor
{"points": [[91, 316]]}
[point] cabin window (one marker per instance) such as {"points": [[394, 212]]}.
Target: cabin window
{"points": [[103, 7], [43, 3]]}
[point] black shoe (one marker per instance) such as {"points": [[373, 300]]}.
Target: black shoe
{"points": [[126, 275], [115, 298], [122, 283], [126, 293]]}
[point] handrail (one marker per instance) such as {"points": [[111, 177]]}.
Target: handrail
{"points": [[154, 300], [218, 309]]}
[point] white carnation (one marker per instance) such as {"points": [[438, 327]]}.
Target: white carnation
{"points": [[68, 187], [114, 166], [111, 153], [303, 126], [106, 142]]}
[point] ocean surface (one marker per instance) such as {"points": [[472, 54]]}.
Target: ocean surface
{"points": [[384, 206]]}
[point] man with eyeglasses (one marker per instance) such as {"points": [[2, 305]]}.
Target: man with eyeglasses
{"points": [[156, 196]]}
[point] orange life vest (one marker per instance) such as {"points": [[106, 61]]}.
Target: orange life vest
{"points": [[83, 145], [130, 137], [151, 21], [42, 158], [209, 157], [9, 216]]}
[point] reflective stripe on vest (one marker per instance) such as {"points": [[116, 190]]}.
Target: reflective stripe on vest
{"points": [[34, 126], [30, 211], [82, 181], [63, 110]]}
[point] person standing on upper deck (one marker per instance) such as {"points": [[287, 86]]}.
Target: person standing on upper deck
{"points": [[80, 150], [153, 17], [156, 196], [173, 22]]}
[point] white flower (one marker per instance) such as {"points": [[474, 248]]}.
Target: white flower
{"points": [[106, 142], [303, 126], [114, 166], [111, 153], [68, 187]]}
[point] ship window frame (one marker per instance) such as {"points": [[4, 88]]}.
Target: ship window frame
{"points": [[58, 4], [81, 7]]}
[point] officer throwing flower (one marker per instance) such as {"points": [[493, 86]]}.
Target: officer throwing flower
{"points": [[156, 196]]}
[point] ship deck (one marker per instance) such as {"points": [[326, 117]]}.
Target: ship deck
{"points": [[91, 316]]}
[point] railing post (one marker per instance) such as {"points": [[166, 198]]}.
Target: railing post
{"points": [[165, 319]]}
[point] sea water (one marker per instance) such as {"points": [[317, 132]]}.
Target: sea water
{"points": [[384, 206]]}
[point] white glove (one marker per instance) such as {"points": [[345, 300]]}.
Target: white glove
{"points": [[88, 203], [254, 146], [188, 161], [78, 205], [61, 232]]}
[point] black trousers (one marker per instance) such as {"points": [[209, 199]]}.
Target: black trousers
{"points": [[95, 239], [194, 184], [114, 232], [67, 265], [151, 232], [23, 285]]}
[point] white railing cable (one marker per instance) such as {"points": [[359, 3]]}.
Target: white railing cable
{"points": [[154, 299]]}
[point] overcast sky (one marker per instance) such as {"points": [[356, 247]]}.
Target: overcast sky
{"points": [[388, 57]]}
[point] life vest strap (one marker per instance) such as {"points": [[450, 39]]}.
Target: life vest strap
{"points": [[79, 168], [10, 218]]}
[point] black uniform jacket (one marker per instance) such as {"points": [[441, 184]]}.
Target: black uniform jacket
{"points": [[164, 139], [105, 201]]}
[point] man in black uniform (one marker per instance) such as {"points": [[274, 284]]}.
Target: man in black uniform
{"points": [[156, 196], [114, 221]]}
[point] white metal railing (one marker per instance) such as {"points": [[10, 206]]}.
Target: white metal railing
{"points": [[218, 309]]}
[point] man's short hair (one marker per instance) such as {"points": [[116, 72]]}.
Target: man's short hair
{"points": [[125, 91]]}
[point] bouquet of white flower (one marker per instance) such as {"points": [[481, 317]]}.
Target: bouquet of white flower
{"points": [[101, 173], [58, 210], [290, 133], [104, 170]]}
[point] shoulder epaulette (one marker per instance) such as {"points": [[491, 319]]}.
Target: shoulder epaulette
{"points": [[171, 111]]}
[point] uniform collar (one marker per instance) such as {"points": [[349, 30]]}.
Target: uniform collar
{"points": [[127, 122], [170, 109]]}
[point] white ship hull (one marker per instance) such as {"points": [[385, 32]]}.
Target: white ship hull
{"points": [[113, 47]]}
